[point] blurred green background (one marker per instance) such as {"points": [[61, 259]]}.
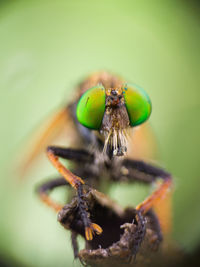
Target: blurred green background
{"points": [[46, 48]]}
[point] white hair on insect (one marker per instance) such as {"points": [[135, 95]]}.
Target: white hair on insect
{"points": [[117, 139]]}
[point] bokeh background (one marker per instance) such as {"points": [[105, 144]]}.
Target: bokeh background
{"points": [[46, 48]]}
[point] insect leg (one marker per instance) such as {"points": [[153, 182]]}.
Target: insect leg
{"points": [[76, 182], [43, 192], [54, 152], [74, 243], [155, 226], [149, 175], [140, 233], [139, 171]]}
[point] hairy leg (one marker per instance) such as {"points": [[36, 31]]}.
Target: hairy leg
{"points": [[44, 190], [154, 223], [139, 171], [133, 170], [76, 182], [74, 244], [141, 230]]}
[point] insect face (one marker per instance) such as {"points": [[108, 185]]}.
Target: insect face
{"points": [[112, 111], [115, 122]]}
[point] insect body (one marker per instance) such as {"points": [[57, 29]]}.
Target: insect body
{"points": [[103, 115]]}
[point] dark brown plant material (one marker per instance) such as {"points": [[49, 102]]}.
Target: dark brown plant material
{"points": [[126, 240]]}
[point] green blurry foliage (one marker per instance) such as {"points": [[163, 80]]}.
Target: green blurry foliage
{"points": [[48, 46]]}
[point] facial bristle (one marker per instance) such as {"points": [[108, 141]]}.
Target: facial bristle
{"points": [[116, 139]]}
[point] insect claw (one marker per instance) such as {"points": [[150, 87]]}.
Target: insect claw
{"points": [[89, 231], [97, 228]]}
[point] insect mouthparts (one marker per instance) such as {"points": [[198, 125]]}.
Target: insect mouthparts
{"points": [[120, 151], [116, 140]]}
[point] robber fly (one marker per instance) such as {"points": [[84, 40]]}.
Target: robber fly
{"points": [[102, 117]]}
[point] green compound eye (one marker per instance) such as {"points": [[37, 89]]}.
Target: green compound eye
{"points": [[91, 107], [137, 103]]}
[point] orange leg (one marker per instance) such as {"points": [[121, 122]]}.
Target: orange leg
{"points": [[163, 210], [44, 190], [140, 171], [155, 197], [77, 183], [72, 179], [49, 202]]}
